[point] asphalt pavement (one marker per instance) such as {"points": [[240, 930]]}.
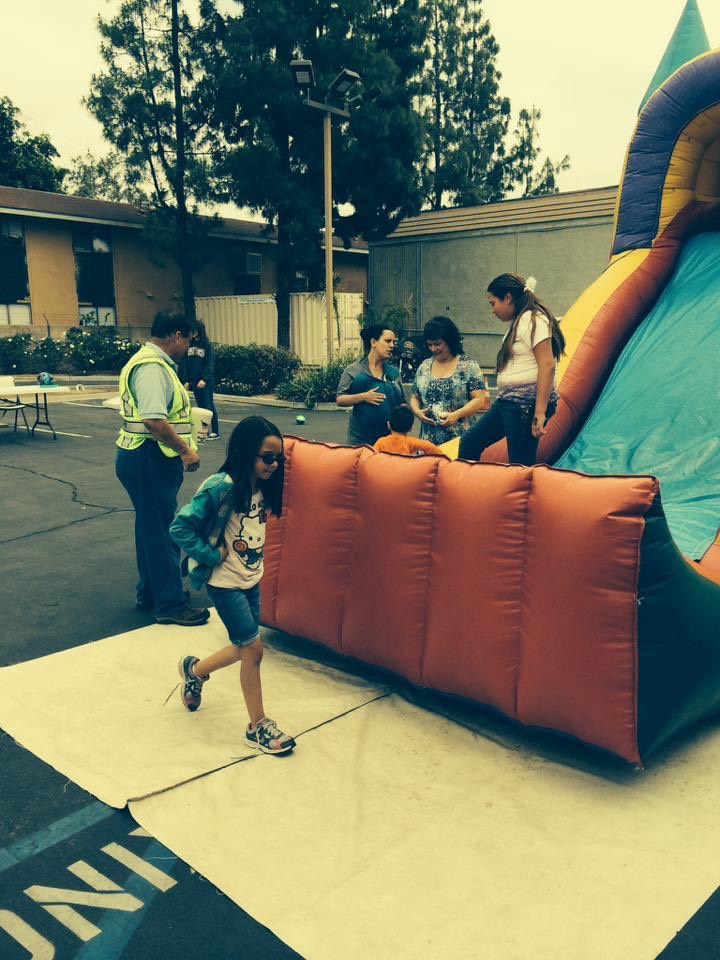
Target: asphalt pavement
{"points": [[68, 576]]}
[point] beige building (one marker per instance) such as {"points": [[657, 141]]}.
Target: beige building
{"points": [[66, 261], [441, 262]]}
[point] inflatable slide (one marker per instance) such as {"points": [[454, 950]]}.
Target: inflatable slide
{"points": [[582, 597]]}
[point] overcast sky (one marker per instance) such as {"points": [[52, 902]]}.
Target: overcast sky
{"points": [[585, 65]]}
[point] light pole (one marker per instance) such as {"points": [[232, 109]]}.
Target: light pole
{"points": [[340, 87]]}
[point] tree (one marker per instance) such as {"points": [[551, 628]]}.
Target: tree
{"points": [[25, 160], [106, 178], [376, 165], [272, 160], [467, 160], [145, 103], [524, 155]]}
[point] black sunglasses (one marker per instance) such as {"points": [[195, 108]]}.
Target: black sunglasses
{"points": [[270, 458]]}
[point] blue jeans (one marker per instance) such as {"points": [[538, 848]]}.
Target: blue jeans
{"points": [[505, 418], [239, 610], [152, 481], [204, 399]]}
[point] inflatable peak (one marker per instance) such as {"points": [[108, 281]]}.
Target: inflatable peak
{"points": [[688, 41]]}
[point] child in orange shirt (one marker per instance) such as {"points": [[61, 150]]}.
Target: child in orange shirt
{"points": [[400, 425]]}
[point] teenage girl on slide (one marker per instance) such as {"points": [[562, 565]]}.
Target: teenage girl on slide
{"points": [[526, 394]]}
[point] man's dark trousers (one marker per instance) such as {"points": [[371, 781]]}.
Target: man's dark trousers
{"points": [[152, 481]]}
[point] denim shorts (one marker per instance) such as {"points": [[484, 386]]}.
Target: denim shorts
{"points": [[239, 610]]}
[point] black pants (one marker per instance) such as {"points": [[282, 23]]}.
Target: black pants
{"points": [[505, 418], [152, 481]]}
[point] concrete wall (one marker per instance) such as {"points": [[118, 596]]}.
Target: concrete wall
{"points": [[448, 274]]}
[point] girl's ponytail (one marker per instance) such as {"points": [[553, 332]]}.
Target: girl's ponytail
{"points": [[522, 292]]}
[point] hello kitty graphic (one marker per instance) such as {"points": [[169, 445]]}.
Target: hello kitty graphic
{"points": [[248, 546]]}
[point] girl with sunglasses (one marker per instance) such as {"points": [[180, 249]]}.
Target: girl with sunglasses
{"points": [[222, 530]]}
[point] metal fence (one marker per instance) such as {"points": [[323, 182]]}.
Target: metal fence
{"points": [[253, 319]]}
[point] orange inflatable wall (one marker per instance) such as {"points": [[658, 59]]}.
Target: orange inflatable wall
{"points": [[511, 586]]}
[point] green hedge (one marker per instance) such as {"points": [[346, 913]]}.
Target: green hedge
{"points": [[252, 369], [313, 385], [94, 350], [243, 370], [15, 353], [84, 350]]}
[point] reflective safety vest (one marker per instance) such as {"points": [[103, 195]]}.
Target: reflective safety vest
{"points": [[133, 431]]}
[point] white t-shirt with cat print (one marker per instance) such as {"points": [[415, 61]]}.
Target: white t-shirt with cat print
{"points": [[245, 543]]}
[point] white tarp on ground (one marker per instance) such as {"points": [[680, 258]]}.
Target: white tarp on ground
{"points": [[98, 713], [391, 832], [396, 834]]}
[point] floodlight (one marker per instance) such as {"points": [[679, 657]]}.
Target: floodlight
{"points": [[343, 83], [303, 73]]}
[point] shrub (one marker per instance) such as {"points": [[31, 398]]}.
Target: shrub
{"points": [[252, 368], [14, 353], [46, 354], [96, 350], [313, 385]]}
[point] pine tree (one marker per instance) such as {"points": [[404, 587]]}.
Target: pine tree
{"points": [[272, 157], [468, 159], [439, 90], [145, 102], [524, 158]]}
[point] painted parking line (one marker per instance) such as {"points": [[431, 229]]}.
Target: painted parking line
{"points": [[54, 833], [61, 433], [118, 928], [93, 406], [106, 935]]}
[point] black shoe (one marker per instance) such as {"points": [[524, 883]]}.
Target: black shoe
{"points": [[186, 617]]}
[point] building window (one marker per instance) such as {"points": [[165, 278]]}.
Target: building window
{"points": [[14, 290], [94, 276]]}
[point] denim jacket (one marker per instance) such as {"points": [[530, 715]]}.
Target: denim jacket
{"points": [[199, 527]]}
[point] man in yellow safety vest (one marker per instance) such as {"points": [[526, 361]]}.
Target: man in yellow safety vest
{"points": [[155, 444]]}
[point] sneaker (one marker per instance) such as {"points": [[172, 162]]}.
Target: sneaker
{"points": [[191, 689], [213, 436], [267, 737], [186, 617]]}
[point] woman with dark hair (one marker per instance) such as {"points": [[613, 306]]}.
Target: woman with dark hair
{"points": [[526, 395], [222, 530], [371, 387], [197, 372], [449, 388]]}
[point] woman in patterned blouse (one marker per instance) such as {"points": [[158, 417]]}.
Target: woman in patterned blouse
{"points": [[449, 388]]}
